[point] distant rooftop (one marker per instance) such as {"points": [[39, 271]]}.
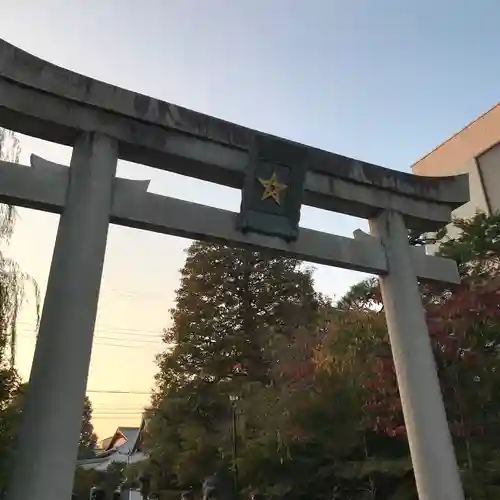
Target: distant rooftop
{"points": [[472, 140]]}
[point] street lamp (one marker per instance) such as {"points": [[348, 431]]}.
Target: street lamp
{"points": [[233, 399], [145, 480], [97, 493]]}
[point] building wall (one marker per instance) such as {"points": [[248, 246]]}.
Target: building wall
{"points": [[478, 201], [484, 183], [489, 164], [474, 150], [470, 142]]}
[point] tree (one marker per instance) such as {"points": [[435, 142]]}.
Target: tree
{"points": [[354, 356], [10, 417], [109, 480], [318, 409], [10, 420], [464, 325], [88, 438], [13, 280], [234, 310], [12, 295], [229, 303]]}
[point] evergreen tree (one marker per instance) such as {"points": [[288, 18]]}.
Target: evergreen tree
{"points": [[234, 311], [231, 305], [88, 438]]}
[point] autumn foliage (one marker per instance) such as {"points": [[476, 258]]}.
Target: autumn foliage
{"points": [[318, 414]]}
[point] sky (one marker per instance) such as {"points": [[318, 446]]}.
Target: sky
{"points": [[383, 82]]}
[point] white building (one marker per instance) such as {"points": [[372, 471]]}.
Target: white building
{"points": [[126, 446]]}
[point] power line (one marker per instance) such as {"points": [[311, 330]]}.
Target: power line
{"points": [[127, 346], [110, 329], [133, 294], [134, 331], [103, 391], [132, 342], [137, 412], [108, 417], [154, 340], [120, 408], [118, 413], [128, 339], [137, 346]]}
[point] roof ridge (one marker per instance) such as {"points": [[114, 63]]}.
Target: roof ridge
{"points": [[448, 139]]}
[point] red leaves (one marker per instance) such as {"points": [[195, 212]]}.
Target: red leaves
{"points": [[457, 428], [458, 327], [303, 370], [298, 375], [383, 406]]}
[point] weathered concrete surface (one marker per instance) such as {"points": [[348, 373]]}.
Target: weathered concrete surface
{"points": [[160, 214], [41, 99], [134, 207], [38, 188], [48, 443], [433, 458], [425, 267]]}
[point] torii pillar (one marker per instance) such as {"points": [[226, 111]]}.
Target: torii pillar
{"points": [[433, 458], [59, 373]]}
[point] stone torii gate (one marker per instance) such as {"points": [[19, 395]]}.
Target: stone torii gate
{"points": [[103, 123]]}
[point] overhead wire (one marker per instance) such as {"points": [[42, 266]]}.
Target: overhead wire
{"points": [[116, 391], [109, 328], [125, 339], [117, 337]]}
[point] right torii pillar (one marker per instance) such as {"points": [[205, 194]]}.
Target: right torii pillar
{"points": [[434, 464]]}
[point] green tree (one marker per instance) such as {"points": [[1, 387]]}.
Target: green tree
{"points": [[10, 416], [234, 310], [109, 480], [318, 414], [230, 305], [369, 456], [464, 325], [13, 280], [13, 283], [88, 438]]}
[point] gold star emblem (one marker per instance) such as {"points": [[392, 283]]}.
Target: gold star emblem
{"points": [[272, 188]]}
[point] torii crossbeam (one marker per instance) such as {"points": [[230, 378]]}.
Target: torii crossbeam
{"points": [[104, 123]]}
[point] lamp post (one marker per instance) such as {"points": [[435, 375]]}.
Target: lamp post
{"points": [[145, 480], [233, 399], [97, 493]]}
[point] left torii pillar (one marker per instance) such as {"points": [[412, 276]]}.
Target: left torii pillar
{"points": [[48, 443]]}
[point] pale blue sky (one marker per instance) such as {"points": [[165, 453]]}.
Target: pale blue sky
{"points": [[381, 81]]}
